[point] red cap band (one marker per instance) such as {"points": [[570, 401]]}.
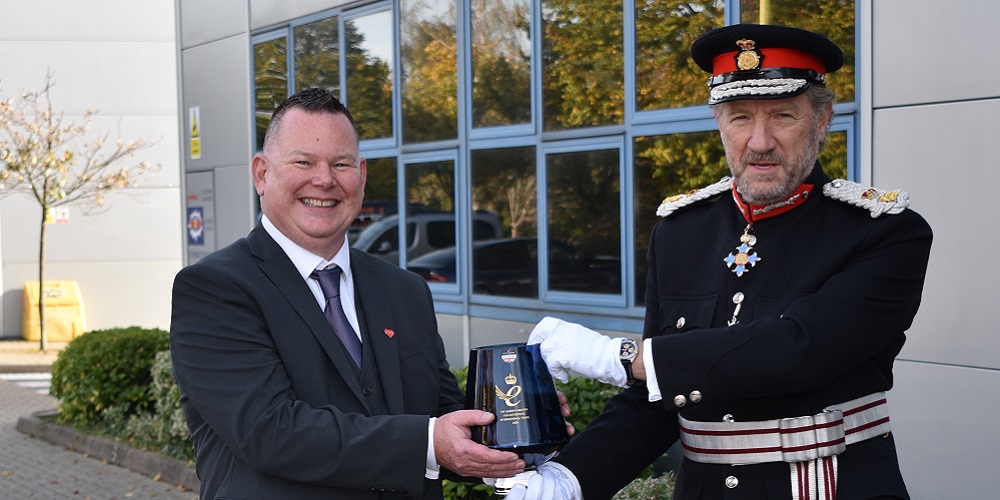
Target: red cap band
{"points": [[773, 58]]}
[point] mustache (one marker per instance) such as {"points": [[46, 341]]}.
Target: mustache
{"points": [[769, 157]]}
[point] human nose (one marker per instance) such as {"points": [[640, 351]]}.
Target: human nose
{"points": [[761, 138], [324, 176]]}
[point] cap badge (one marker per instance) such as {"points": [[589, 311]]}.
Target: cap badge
{"points": [[748, 57]]}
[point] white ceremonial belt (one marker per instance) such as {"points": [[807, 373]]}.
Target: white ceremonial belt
{"points": [[794, 439], [810, 444]]}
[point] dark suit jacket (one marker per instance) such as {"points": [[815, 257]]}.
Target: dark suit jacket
{"points": [[824, 315], [275, 406]]}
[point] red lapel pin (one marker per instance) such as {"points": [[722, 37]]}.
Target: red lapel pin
{"points": [[389, 333]]}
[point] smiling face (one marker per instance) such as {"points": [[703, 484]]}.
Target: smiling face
{"points": [[771, 144], [311, 179]]}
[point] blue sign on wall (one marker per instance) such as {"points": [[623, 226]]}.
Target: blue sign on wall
{"points": [[196, 226]]}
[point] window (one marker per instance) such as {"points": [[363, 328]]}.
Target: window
{"points": [[369, 56], [528, 143], [501, 62], [583, 71], [665, 75], [428, 57], [270, 58], [504, 184], [317, 55], [584, 221]]}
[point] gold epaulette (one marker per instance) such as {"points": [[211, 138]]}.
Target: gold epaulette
{"points": [[672, 203], [877, 201]]}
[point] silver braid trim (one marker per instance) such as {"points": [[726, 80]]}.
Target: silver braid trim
{"points": [[877, 201], [762, 87], [673, 203]]}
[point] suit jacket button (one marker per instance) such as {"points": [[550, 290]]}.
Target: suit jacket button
{"points": [[680, 322], [368, 391], [680, 400], [695, 396], [732, 482]]}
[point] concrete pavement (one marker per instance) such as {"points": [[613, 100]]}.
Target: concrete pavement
{"points": [[33, 468]]}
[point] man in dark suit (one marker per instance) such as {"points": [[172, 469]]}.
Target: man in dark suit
{"points": [[276, 405], [776, 302]]}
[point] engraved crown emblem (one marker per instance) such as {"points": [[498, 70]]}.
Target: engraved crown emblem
{"points": [[510, 379], [748, 57]]}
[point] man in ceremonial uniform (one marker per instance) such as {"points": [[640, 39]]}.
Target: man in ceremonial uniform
{"points": [[776, 303]]}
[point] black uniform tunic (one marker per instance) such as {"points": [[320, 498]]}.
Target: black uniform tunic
{"points": [[823, 315]]}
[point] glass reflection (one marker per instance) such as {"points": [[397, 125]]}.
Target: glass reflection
{"points": [[666, 77], [584, 221], [504, 185], [429, 66], [369, 73], [270, 71], [501, 62], [583, 75], [317, 56], [833, 18], [380, 195], [430, 210]]}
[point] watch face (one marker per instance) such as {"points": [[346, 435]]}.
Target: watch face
{"points": [[628, 350]]}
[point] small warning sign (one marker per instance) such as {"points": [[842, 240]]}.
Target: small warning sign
{"points": [[194, 118]]}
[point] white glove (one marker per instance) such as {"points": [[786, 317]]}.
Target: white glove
{"points": [[569, 346], [552, 482]]}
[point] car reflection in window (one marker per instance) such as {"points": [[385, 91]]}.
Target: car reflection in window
{"points": [[509, 267]]}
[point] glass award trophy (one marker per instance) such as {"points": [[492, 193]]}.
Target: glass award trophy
{"points": [[512, 382]]}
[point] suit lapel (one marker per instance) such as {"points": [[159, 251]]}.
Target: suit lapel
{"points": [[279, 269], [381, 328]]}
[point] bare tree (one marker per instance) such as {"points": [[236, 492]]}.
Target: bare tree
{"points": [[58, 163]]}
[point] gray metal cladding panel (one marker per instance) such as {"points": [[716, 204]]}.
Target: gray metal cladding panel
{"points": [[217, 81]]}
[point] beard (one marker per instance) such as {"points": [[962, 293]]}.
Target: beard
{"points": [[779, 183]]}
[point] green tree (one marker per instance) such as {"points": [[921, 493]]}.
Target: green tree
{"points": [[52, 161]]}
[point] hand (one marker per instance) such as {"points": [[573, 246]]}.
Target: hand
{"points": [[552, 482], [564, 409], [569, 346], [455, 450]]}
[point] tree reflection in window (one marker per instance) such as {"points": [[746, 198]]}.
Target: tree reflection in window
{"points": [[666, 76], [429, 70], [270, 67], [503, 183], [369, 73], [582, 63], [501, 62], [584, 221], [317, 56]]}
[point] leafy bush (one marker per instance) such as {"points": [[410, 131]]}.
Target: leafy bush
{"points": [[163, 430], [105, 369], [652, 488]]}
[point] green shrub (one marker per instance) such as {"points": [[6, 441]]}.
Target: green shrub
{"points": [[106, 372], [163, 430], [652, 488]]}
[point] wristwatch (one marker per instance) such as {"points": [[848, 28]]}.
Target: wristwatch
{"points": [[627, 354]]}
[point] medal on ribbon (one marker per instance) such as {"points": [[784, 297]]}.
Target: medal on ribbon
{"points": [[744, 257]]}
